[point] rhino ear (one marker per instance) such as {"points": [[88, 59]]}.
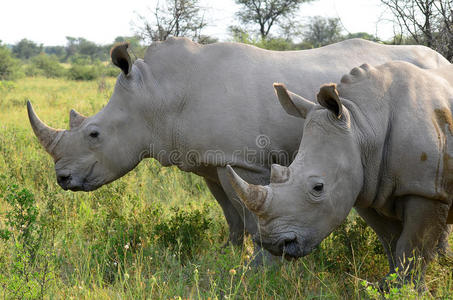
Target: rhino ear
{"points": [[120, 57], [329, 98], [293, 104], [75, 119]]}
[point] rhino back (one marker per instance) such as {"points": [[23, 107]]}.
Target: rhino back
{"points": [[227, 88]]}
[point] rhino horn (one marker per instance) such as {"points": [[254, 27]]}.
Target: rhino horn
{"points": [[47, 136], [75, 119], [253, 196], [279, 174]]}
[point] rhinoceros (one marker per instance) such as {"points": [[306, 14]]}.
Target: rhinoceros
{"points": [[380, 141], [200, 108]]}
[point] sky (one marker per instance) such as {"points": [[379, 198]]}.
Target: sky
{"points": [[100, 21]]}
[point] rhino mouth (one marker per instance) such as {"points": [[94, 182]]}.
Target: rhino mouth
{"points": [[75, 184], [88, 184]]}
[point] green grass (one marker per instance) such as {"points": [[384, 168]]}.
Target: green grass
{"points": [[109, 243]]}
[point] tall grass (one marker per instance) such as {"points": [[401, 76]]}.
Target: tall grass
{"points": [[129, 239]]}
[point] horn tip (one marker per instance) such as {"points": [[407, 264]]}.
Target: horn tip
{"points": [[230, 171]]}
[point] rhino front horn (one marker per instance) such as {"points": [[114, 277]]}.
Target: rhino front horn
{"points": [[253, 196], [47, 136], [75, 119]]}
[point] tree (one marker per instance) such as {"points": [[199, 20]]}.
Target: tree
{"points": [[173, 18], [26, 49], [267, 13], [322, 31], [426, 22], [8, 64]]}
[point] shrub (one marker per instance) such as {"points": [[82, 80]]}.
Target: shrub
{"points": [[9, 66], [109, 70], [28, 271], [83, 72], [352, 242], [184, 231], [46, 65]]}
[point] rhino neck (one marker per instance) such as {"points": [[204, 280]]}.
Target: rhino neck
{"points": [[163, 117], [372, 136]]}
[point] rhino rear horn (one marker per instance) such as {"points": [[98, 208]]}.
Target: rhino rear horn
{"points": [[47, 136], [253, 196], [120, 57], [75, 119], [279, 174]]}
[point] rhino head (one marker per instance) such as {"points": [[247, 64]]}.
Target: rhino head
{"points": [[99, 149], [306, 201]]}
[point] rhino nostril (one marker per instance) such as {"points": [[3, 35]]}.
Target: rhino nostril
{"points": [[64, 179], [290, 246]]}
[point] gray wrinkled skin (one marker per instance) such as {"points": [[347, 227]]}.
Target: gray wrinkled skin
{"points": [[381, 141], [187, 97]]}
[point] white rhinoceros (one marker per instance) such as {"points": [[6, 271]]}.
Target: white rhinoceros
{"points": [[201, 108], [381, 141]]}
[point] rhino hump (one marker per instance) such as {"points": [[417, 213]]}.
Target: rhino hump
{"points": [[357, 74]]}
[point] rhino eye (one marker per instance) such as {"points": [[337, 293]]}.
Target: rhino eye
{"points": [[94, 134], [319, 187]]}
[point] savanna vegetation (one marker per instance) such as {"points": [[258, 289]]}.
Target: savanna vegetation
{"points": [[157, 233]]}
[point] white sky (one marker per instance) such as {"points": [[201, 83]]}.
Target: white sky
{"points": [[50, 21]]}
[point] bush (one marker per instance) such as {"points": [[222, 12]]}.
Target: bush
{"points": [[183, 232], [46, 65], [9, 66], [109, 70], [351, 243], [83, 72], [28, 271]]}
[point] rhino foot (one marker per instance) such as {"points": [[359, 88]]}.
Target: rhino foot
{"points": [[443, 247]]}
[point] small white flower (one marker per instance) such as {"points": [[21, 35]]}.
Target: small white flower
{"points": [[126, 246]]}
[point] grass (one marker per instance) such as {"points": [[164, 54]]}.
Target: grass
{"points": [[129, 239]]}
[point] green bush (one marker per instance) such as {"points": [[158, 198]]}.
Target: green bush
{"points": [[9, 66], [351, 243], [109, 70], [83, 72], [27, 272], [46, 65], [183, 232]]}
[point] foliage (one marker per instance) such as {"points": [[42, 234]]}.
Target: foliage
{"points": [[428, 23], [26, 49], [45, 65], [9, 66], [83, 48], [173, 18], [323, 31], [266, 13], [183, 231], [83, 72], [28, 271]]}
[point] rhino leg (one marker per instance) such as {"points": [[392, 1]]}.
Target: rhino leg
{"points": [[424, 222], [443, 248], [388, 230], [234, 220], [260, 255]]}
